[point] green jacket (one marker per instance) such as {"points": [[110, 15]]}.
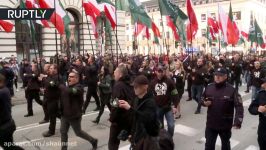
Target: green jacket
{"points": [[105, 85]]}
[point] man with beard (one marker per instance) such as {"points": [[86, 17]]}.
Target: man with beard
{"points": [[221, 99], [165, 97], [198, 76], [121, 120]]}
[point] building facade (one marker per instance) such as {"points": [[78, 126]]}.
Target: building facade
{"points": [[82, 40], [242, 10]]}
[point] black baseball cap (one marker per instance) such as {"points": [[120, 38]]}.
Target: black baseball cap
{"points": [[141, 80], [161, 68], [220, 72]]}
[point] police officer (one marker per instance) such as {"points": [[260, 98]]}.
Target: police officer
{"points": [[71, 102], [258, 107], [221, 98]]}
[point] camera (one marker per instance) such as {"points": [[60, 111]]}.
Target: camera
{"points": [[115, 102]]}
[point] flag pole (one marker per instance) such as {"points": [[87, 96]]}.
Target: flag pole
{"points": [[164, 38], [90, 34], [34, 44], [82, 15], [56, 48], [102, 38], [116, 42]]}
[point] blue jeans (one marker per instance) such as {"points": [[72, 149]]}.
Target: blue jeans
{"points": [[196, 91], [169, 116], [254, 91]]}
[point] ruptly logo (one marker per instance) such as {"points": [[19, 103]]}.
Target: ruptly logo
{"points": [[26, 14]]}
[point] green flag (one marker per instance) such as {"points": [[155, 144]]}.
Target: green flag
{"points": [[208, 36], [28, 22], [122, 5], [108, 30], [167, 8], [105, 1], [138, 13]]}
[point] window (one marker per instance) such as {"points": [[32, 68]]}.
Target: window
{"points": [[203, 32], [203, 17], [167, 34], [237, 15], [213, 15]]}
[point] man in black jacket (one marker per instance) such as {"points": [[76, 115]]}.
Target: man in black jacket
{"points": [[144, 112], [258, 107], [120, 119], [165, 97], [32, 90], [71, 107], [9, 75], [198, 76], [91, 80], [52, 95], [7, 124], [221, 99], [257, 74]]}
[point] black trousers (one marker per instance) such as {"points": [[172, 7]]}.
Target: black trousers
{"points": [[6, 139], [189, 84], [113, 143], [105, 100], [45, 109], [92, 92], [262, 142], [76, 126], [30, 96], [53, 113], [211, 137]]}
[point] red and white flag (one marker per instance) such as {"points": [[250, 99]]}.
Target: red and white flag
{"points": [[214, 24], [32, 4], [171, 25], [59, 18], [93, 9], [6, 25], [229, 28], [192, 26], [141, 28], [110, 14]]}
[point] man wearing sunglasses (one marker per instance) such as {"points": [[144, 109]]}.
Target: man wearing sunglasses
{"points": [[71, 107]]}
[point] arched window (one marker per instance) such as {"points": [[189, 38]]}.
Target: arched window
{"points": [[72, 45], [26, 45]]}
